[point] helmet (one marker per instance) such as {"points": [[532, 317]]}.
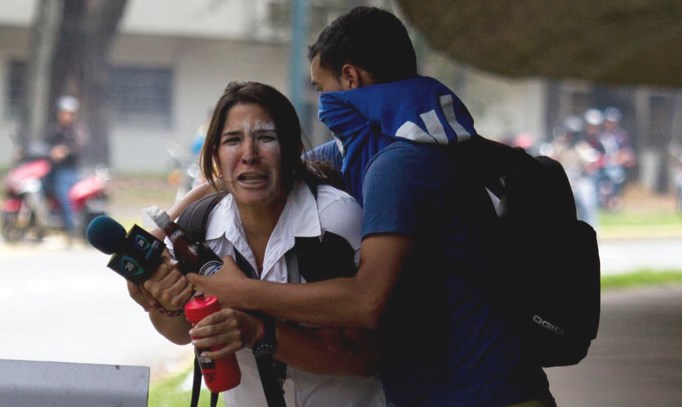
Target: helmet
{"points": [[68, 104], [573, 124], [612, 114], [594, 117]]}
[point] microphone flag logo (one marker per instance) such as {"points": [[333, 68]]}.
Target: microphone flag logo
{"points": [[131, 266]]}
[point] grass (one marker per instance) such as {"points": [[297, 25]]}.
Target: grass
{"points": [[641, 278], [172, 392], [642, 214], [640, 224], [131, 193]]}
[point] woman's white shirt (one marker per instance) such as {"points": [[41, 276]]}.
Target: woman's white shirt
{"points": [[303, 216]]}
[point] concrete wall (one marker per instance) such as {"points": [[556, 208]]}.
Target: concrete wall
{"points": [[201, 70]]}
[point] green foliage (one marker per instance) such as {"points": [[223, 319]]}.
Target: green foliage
{"points": [[647, 218], [640, 224], [641, 278], [173, 391]]}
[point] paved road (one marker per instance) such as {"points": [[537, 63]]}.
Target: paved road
{"points": [[636, 359], [66, 306], [625, 255]]}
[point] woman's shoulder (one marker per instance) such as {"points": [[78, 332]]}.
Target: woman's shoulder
{"points": [[339, 213], [328, 195]]}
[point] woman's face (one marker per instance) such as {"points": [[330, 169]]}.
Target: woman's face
{"points": [[250, 156]]}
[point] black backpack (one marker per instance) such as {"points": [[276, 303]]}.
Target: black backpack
{"points": [[548, 274]]}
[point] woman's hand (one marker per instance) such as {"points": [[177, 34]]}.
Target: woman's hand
{"points": [[168, 287], [141, 296], [231, 329]]}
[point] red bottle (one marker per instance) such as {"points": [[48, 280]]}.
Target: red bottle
{"points": [[219, 374]]}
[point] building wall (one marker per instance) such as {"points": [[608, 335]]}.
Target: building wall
{"points": [[13, 45], [201, 69]]}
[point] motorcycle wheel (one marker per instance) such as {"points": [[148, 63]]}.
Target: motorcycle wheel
{"points": [[12, 232], [86, 218]]}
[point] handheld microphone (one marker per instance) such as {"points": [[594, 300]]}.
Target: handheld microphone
{"points": [[135, 254]]}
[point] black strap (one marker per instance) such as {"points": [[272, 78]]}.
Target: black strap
{"points": [[196, 387], [322, 259], [196, 383], [194, 218], [268, 367], [272, 387]]}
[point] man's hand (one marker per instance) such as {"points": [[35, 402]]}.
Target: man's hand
{"points": [[223, 284], [59, 152]]}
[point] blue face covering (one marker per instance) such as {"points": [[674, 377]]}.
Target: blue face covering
{"points": [[367, 119]]}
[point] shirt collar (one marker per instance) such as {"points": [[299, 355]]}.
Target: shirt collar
{"points": [[298, 219]]}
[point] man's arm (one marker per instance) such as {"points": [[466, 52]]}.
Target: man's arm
{"points": [[330, 351], [328, 152], [353, 302]]}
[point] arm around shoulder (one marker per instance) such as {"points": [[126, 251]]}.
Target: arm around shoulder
{"points": [[350, 302], [328, 351]]}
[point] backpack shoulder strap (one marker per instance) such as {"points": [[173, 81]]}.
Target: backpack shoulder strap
{"points": [[195, 217], [565, 203], [489, 162], [320, 258]]}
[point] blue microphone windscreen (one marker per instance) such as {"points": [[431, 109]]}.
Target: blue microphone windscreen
{"points": [[105, 234]]}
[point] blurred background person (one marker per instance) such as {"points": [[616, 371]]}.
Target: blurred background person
{"points": [[581, 162], [200, 136], [619, 155], [65, 140]]}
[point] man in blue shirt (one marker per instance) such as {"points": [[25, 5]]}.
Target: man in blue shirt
{"points": [[426, 227]]}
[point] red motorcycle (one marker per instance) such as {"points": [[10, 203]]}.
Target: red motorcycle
{"points": [[29, 212]]}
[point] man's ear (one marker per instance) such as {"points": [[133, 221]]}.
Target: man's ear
{"points": [[351, 76]]}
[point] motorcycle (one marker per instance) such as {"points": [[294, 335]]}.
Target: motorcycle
{"points": [[29, 212]]}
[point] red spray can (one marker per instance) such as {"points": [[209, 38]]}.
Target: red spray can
{"points": [[219, 374]]}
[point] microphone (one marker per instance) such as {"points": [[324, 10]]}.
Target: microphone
{"points": [[135, 254]]}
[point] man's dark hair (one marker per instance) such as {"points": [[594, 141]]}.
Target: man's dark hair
{"points": [[371, 38]]}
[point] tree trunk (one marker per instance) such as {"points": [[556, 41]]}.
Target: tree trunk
{"points": [[83, 70], [36, 104], [70, 52], [101, 23]]}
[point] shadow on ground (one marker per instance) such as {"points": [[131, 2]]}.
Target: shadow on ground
{"points": [[636, 359]]}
